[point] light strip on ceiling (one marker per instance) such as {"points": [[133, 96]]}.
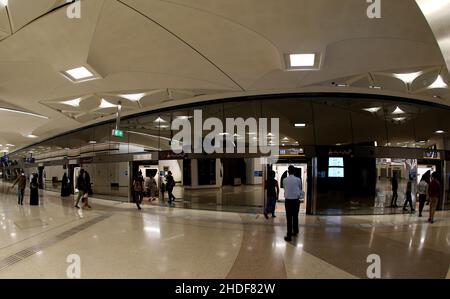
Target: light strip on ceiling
{"points": [[398, 111], [433, 6], [438, 83], [23, 112], [105, 104], [408, 78], [148, 135], [136, 97], [73, 103]]}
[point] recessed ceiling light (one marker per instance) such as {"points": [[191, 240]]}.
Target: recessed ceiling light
{"points": [[79, 73], [438, 83], [23, 112], [159, 120], [302, 60], [105, 104], [300, 125], [136, 97], [32, 136], [372, 110], [375, 87], [92, 142], [399, 118], [408, 78], [11, 145], [73, 103], [440, 132], [398, 111], [286, 139], [342, 85]]}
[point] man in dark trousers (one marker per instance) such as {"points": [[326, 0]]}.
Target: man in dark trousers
{"points": [[81, 186], [170, 184], [21, 182], [394, 183], [292, 192], [434, 191]]}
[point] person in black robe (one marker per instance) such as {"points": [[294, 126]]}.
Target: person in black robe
{"points": [[65, 186], [34, 191]]}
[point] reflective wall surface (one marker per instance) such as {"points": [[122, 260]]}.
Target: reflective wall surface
{"points": [[372, 136]]}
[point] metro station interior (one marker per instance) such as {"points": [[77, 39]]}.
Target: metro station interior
{"points": [[359, 98]]}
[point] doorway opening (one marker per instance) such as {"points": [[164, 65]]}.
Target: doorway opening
{"points": [[302, 171]]}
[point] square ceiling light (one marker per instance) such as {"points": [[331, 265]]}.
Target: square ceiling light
{"points": [[304, 61], [80, 74]]}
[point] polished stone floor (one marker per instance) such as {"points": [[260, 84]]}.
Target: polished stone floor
{"points": [[115, 240]]}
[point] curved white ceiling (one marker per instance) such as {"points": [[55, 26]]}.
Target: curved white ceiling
{"points": [[180, 51]]}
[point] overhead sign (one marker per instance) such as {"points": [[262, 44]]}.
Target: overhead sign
{"points": [[117, 133], [146, 157]]}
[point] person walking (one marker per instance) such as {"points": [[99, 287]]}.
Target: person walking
{"points": [[273, 191], [34, 191], [65, 186], [434, 191], [170, 184], [293, 192], [21, 182], [408, 196], [423, 193], [151, 187], [87, 181], [394, 184], [138, 189], [81, 186]]}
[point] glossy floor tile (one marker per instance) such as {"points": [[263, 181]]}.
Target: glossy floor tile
{"points": [[115, 240]]}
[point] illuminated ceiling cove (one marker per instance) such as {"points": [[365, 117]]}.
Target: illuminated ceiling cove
{"points": [[59, 73]]}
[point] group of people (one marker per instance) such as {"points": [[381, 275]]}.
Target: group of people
{"points": [[21, 182], [428, 190], [149, 187], [294, 196]]}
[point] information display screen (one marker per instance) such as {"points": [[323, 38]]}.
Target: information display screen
{"points": [[336, 172], [335, 167], [335, 162]]}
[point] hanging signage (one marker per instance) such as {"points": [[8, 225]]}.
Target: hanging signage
{"points": [[146, 157], [86, 160], [169, 155], [117, 133]]}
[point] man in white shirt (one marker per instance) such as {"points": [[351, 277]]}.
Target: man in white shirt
{"points": [[292, 192]]}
